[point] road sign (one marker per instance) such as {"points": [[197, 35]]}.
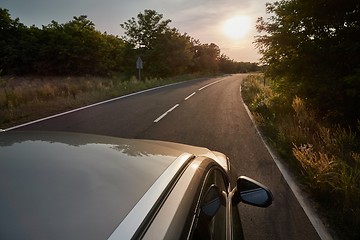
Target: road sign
{"points": [[139, 63]]}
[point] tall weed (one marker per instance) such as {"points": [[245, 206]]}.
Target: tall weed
{"points": [[326, 156]]}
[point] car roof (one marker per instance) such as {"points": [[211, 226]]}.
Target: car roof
{"points": [[77, 186]]}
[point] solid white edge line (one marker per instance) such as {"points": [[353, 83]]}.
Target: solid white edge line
{"points": [[88, 106], [163, 115], [99, 103], [137, 215], [304, 203], [187, 98]]}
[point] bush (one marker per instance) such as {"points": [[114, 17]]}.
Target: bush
{"points": [[325, 156]]}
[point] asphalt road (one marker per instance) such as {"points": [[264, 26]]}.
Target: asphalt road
{"points": [[208, 113]]}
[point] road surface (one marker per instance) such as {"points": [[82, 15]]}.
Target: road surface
{"points": [[209, 113]]}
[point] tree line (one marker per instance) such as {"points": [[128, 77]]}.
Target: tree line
{"points": [[77, 48], [312, 50]]}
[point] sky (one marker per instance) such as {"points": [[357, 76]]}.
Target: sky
{"points": [[204, 20]]}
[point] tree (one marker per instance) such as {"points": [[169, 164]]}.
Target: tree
{"points": [[171, 54], [206, 57], [146, 29], [17, 44], [164, 50], [226, 65], [312, 48], [77, 48]]}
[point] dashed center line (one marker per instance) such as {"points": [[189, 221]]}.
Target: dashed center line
{"points": [[210, 84], [187, 98], [190, 96], [171, 109]]}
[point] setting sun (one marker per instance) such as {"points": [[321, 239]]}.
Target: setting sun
{"points": [[237, 27]]}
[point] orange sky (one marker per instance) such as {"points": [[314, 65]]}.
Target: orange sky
{"points": [[201, 19]]}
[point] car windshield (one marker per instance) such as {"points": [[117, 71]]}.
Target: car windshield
{"points": [[52, 190]]}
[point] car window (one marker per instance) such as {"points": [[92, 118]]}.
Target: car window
{"points": [[211, 218]]}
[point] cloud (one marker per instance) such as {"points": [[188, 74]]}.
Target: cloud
{"points": [[207, 17]]}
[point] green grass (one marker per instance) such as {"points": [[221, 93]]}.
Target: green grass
{"points": [[325, 157], [24, 99]]}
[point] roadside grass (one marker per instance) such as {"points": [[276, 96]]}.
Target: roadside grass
{"points": [[23, 99], [324, 157]]}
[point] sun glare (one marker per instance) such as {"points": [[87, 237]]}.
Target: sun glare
{"points": [[237, 27]]}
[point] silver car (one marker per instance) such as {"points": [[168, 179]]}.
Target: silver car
{"points": [[78, 186]]}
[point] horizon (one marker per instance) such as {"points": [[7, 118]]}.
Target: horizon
{"points": [[200, 19]]}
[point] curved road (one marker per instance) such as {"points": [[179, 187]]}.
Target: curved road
{"points": [[209, 113]]}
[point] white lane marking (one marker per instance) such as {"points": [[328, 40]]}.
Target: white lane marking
{"points": [[190, 96], [299, 194], [202, 88], [99, 103], [171, 109], [88, 106], [163, 115]]}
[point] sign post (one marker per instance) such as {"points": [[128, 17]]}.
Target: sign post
{"points": [[139, 65]]}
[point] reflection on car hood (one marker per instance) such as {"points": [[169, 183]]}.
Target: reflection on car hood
{"points": [[60, 183]]}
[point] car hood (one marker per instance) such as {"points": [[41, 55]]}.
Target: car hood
{"points": [[55, 183], [131, 147]]}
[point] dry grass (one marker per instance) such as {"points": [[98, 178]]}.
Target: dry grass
{"points": [[327, 157], [30, 98], [23, 99]]}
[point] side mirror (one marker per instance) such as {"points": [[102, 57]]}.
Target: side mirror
{"points": [[251, 192]]}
